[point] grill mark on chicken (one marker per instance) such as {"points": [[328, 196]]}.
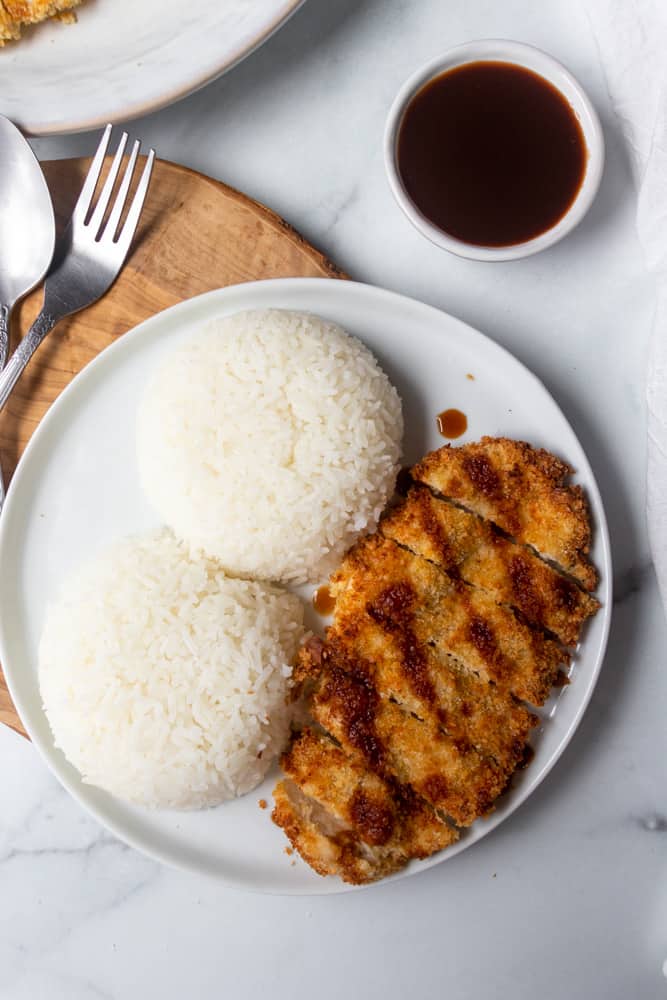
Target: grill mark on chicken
{"points": [[414, 752], [521, 660], [471, 711], [346, 821], [392, 610], [525, 491], [482, 475], [373, 820], [483, 639], [359, 703], [472, 550], [524, 592]]}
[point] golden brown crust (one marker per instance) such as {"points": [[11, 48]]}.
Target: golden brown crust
{"points": [[468, 548], [10, 29], [466, 707], [523, 490], [452, 775], [346, 821], [416, 606], [14, 14], [441, 623]]}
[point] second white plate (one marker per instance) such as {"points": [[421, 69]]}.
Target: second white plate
{"points": [[77, 489], [123, 59]]}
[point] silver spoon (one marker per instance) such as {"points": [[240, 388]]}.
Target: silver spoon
{"points": [[27, 229], [27, 226]]}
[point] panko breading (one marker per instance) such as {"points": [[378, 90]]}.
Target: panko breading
{"points": [[445, 621], [524, 491], [418, 605], [469, 549], [345, 820], [15, 14], [451, 775], [469, 709]]}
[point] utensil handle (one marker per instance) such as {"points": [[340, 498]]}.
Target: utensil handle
{"points": [[44, 323], [4, 334]]}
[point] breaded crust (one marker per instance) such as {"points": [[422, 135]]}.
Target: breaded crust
{"points": [[525, 491], [10, 29], [414, 604], [442, 627], [466, 707], [345, 820], [468, 548], [16, 13], [452, 776]]}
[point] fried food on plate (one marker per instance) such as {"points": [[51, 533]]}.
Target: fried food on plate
{"points": [[470, 549], [452, 775], [523, 490], [345, 820], [447, 621], [16, 14], [416, 604], [465, 706]]}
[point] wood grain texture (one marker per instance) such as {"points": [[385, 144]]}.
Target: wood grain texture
{"points": [[195, 235]]}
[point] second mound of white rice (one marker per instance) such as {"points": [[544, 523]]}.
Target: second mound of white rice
{"points": [[270, 441], [165, 682]]}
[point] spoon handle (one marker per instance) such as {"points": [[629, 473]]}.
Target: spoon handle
{"points": [[4, 334], [44, 323]]}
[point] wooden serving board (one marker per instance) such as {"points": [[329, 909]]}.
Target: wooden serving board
{"points": [[195, 235]]}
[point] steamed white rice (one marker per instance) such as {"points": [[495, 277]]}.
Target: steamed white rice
{"points": [[165, 682], [271, 441]]}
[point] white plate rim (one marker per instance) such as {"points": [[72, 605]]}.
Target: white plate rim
{"points": [[384, 298], [189, 84]]}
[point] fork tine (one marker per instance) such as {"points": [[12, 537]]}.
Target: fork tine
{"points": [[132, 219], [88, 190], [97, 217], [121, 197]]}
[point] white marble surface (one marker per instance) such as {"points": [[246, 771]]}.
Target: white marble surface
{"points": [[569, 897]]}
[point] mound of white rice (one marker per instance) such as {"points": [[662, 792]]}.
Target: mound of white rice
{"points": [[270, 441], [165, 682]]}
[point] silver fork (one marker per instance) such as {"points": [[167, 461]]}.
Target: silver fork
{"points": [[90, 253]]}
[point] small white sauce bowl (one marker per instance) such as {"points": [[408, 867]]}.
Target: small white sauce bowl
{"points": [[498, 50]]}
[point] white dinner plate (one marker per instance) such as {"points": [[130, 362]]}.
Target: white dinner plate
{"points": [[76, 489], [125, 58]]}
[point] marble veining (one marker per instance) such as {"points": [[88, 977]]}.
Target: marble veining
{"points": [[631, 581], [654, 823], [568, 898]]}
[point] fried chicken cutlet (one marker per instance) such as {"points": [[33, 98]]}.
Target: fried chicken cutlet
{"points": [[521, 489], [417, 605], [442, 629], [15, 14], [472, 712], [451, 775], [470, 549], [345, 820]]}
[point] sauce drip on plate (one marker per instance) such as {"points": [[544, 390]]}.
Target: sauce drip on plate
{"points": [[452, 423], [323, 600], [491, 153]]}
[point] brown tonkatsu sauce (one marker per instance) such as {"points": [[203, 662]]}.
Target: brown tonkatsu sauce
{"points": [[452, 423], [491, 153], [323, 600]]}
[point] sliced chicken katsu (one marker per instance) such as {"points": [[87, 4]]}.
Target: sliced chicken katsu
{"points": [[345, 820], [521, 489], [470, 710], [10, 29], [14, 14], [470, 549], [451, 775], [414, 604]]}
